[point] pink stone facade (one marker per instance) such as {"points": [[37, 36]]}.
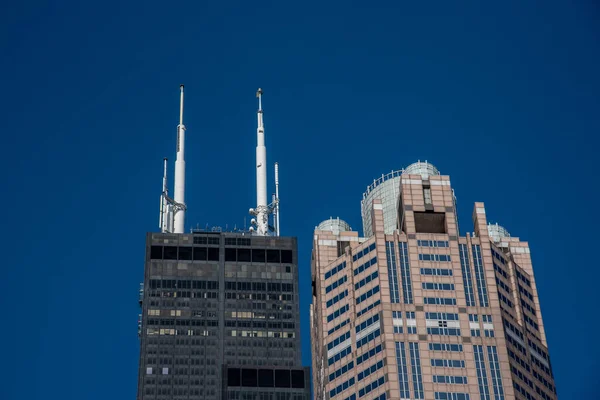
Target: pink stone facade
{"points": [[424, 313]]}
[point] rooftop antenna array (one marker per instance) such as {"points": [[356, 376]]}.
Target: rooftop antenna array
{"points": [[260, 224], [172, 211], [276, 201]]}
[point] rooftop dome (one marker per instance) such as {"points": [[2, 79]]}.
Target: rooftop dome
{"points": [[336, 225], [497, 232], [424, 169], [387, 189]]}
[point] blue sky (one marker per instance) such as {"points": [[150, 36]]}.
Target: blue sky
{"points": [[503, 98]]}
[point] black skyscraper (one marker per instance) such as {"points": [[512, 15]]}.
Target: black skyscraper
{"points": [[220, 318]]}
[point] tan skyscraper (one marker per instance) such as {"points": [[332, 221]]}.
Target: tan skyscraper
{"points": [[415, 311]]}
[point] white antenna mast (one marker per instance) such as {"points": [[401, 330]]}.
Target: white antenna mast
{"points": [[262, 210], [172, 211], [277, 198], [180, 172], [164, 205]]}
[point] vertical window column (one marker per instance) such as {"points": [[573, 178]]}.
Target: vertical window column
{"points": [[415, 363], [405, 273], [495, 372], [484, 390], [480, 276], [392, 271], [466, 273], [402, 370]]}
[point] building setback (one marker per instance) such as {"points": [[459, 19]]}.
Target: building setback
{"points": [[415, 311], [220, 318]]}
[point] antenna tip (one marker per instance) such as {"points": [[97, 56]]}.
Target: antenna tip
{"points": [[259, 92], [165, 159], [181, 87]]}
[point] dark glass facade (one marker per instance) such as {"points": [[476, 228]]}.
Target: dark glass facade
{"points": [[215, 305]]}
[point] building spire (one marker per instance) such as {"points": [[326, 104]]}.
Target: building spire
{"points": [[179, 195], [262, 209]]}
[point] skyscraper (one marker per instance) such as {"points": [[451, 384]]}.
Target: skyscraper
{"points": [[220, 310], [416, 311]]}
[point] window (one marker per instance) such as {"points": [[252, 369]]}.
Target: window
{"points": [[500, 270], [273, 256], [185, 253], [156, 252], [503, 285], [443, 301], [200, 240], [439, 362], [411, 322], [230, 254], [339, 355], [495, 373], [258, 255], [366, 265], [366, 280], [341, 371], [480, 276], [371, 336], [370, 370], [402, 370], [367, 294], [365, 356], [450, 379], [335, 284], [338, 326], [435, 257], [505, 300], [405, 273], [415, 362], [367, 323], [363, 252], [340, 388], [170, 253], [432, 243], [337, 298], [466, 272], [484, 390], [286, 257], [337, 313], [440, 315], [451, 396], [392, 272], [369, 308], [427, 195], [371, 386], [445, 347], [437, 286], [442, 330], [436, 271], [244, 255], [200, 253], [338, 340], [335, 270]]}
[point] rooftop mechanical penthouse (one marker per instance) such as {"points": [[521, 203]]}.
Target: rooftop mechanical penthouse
{"points": [[416, 311]]}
